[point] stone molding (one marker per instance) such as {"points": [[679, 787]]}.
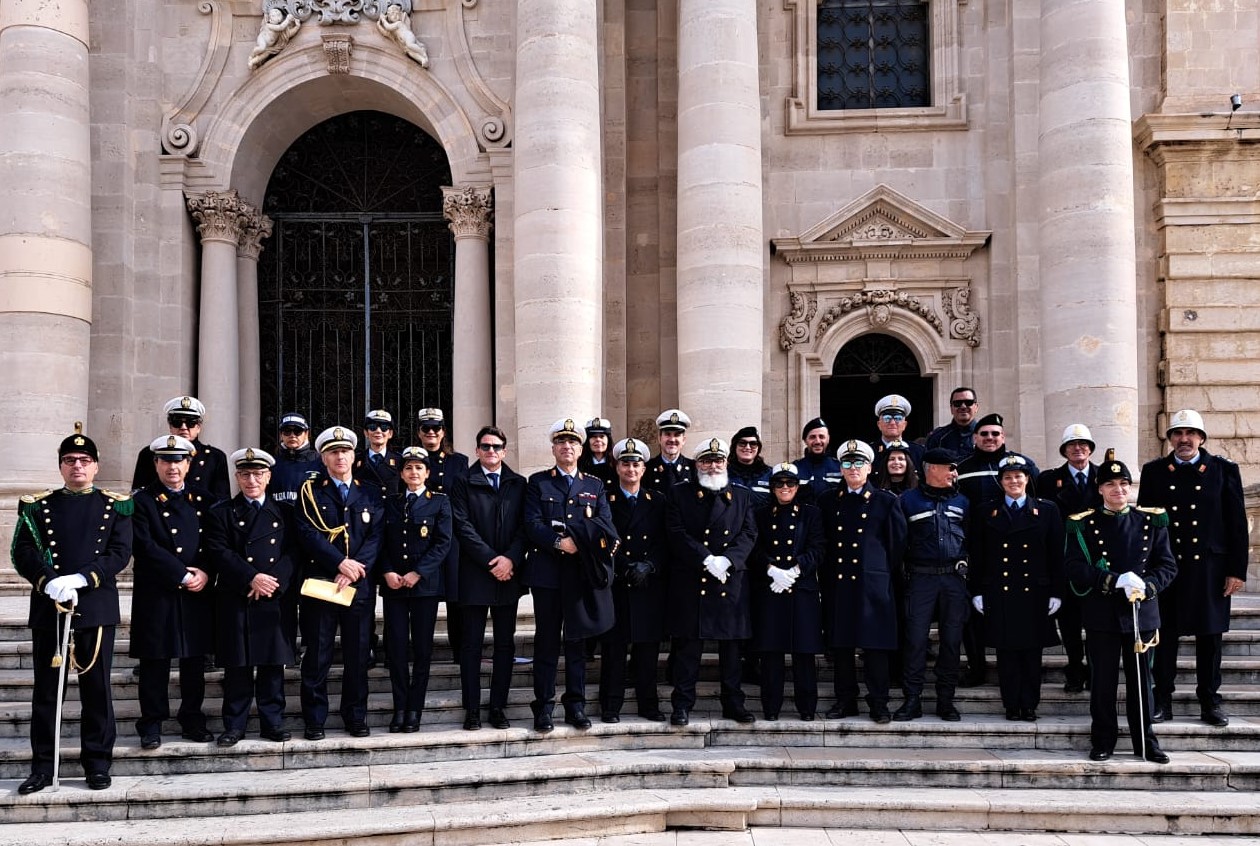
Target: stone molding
{"points": [[220, 215], [337, 49], [468, 210], [255, 226], [179, 126]]}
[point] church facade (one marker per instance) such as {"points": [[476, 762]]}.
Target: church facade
{"points": [[754, 210]]}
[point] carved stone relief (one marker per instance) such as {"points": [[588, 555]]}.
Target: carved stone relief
{"points": [[337, 49], [795, 327], [467, 209]]}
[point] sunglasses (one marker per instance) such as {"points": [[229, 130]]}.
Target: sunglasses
{"points": [[427, 427], [850, 463], [378, 427], [492, 447], [747, 444], [892, 418], [962, 403], [180, 421], [988, 434], [784, 483], [291, 430], [74, 461]]}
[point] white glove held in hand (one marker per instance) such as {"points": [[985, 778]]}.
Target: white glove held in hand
{"points": [[977, 602], [776, 588], [1055, 605], [1131, 584], [717, 565], [65, 588], [781, 579]]}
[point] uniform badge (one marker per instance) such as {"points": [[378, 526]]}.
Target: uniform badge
{"points": [[367, 517], [588, 512], [424, 531]]}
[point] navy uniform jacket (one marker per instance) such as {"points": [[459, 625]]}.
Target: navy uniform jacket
{"points": [[661, 476], [1103, 544], [489, 523], [916, 450], [1059, 485], [640, 611], [1208, 529], [331, 531], [604, 471], [701, 523], [166, 620], [292, 468], [59, 533], [787, 536], [382, 476], [978, 475], [584, 580], [239, 542], [417, 539], [865, 541], [446, 470], [818, 476], [208, 471], [958, 440], [1017, 565]]}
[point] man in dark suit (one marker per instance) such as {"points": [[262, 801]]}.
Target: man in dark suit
{"points": [[489, 508], [208, 469], [71, 544], [1073, 487], [670, 466], [171, 598], [569, 571], [341, 524], [1204, 499], [250, 543], [712, 532]]}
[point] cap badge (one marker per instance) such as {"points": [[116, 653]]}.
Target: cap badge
{"points": [[1115, 468], [170, 442], [338, 434], [673, 418], [715, 445], [569, 425], [249, 454], [185, 402], [78, 441]]}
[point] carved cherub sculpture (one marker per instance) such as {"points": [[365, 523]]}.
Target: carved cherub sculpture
{"points": [[396, 24], [278, 27]]}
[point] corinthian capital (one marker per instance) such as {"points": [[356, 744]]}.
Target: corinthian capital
{"points": [[254, 227], [467, 209], [220, 215]]}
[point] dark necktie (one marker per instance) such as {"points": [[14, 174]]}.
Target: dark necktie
{"points": [[255, 504], [1081, 482], [494, 480], [633, 499], [568, 481], [411, 500], [345, 491], [376, 459]]}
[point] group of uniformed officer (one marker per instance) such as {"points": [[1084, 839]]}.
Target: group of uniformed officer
{"points": [[860, 550]]}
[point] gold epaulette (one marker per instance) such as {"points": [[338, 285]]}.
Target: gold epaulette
{"points": [[1150, 509], [115, 496], [1082, 515], [30, 499]]}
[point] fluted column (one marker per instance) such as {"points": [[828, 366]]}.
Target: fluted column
{"points": [[467, 209], [45, 237], [720, 243], [1087, 264], [558, 223], [221, 217], [255, 227]]}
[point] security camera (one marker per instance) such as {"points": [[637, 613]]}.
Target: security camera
{"points": [[1235, 102]]}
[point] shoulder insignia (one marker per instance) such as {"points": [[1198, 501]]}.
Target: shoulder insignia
{"points": [[994, 514], [428, 494], [1082, 515], [1203, 467], [729, 496], [30, 499], [1036, 511], [1058, 483], [392, 462], [123, 503], [646, 495], [161, 497], [612, 497], [115, 496], [1150, 509]]}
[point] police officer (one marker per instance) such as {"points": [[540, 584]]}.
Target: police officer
{"points": [[892, 415], [1114, 556], [746, 467], [172, 596], [638, 587], [489, 506], [670, 466], [820, 472], [1204, 499], [296, 459], [865, 539], [446, 468], [596, 460], [784, 582], [208, 469], [340, 524], [376, 465], [712, 531], [251, 544], [569, 572], [417, 539], [936, 573], [70, 544], [1017, 581], [956, 435], [1073, 486]]}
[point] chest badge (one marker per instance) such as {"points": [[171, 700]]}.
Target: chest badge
{"points": [[424, 531]]}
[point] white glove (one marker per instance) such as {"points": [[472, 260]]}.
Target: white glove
{"points": [[713, 564], [1055, 605], [63, 588], [781, 579], [724, 565], [1131, 584], [977, 602], [775, 587]]}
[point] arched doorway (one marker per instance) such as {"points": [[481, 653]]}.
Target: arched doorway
{"points": [[867, 368], [356, 286]]}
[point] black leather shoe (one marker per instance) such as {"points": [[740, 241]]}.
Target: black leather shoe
{"points": [[1099, 754], [844, 709], [543, 722], [197, 735], [230, 738], [911, 709], [1156, 755], [1012, 715], [498, 719], [679, 717], [947, 712], [739, 714], [1074, 678], [577, 718], [150, 741], [100, 781], [34, 783], [411, 723], [396, 724], [655, 715], [314, 733], [472, 720], [1028, 715], [277, 735], [610, 717], [881, 714], [770, 716], [1162, 712], [358, 730], [809, 717], [1214, 716], [972, 678]]}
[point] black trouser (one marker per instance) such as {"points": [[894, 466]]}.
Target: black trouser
{"points": [[320, 622], [804, 682], [548, 628], [973, 642], [1207, 667], [924, 593], [154, 683], [612, 673], [503, 620], [1071, 628], [409, 625], [455, 629], [685, 656], [1019, 677], [97, 729], [877, 665], [242, 685], [1107, 650]]}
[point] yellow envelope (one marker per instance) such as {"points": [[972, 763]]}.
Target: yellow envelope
{"points": [[327, 591]]}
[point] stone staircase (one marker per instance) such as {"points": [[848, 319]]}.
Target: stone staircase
{"points": [[445, 785]]}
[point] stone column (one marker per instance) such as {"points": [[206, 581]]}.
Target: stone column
{"points": [[472, 370], [1087, 260], [255, 227], [221, 216], [558, 224], [45, 238], [720, 243]]}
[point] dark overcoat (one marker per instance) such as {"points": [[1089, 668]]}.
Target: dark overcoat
{"points": [[1059, 485], [446, 469], [662, 476], [489, 523], [417, 539], [381, 476], [787, 536], [207, 470], [640, 610], [1103, 544]]}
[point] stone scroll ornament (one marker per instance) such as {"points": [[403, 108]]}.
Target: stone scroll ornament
{"points": [[794, 328]]}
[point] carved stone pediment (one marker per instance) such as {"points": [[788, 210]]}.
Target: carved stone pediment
{"points": [[881, 224]]}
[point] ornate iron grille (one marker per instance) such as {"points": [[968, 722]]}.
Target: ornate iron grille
{"points": [[874, 356], [873, 54], [356, 286], [865, 369]]}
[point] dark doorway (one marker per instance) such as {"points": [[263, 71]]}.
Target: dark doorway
{"points": [[356, 285], [866, 369]]}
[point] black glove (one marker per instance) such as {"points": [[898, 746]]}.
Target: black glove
{"points": [[637, 573]]}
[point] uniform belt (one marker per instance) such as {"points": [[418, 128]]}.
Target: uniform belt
{"points": [[931, 571]]}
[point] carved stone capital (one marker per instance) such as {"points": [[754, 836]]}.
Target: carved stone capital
{"points": [[220, 215], [467, 209], [337, 50], [794, 329], [255, 226], [964, 324]]}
